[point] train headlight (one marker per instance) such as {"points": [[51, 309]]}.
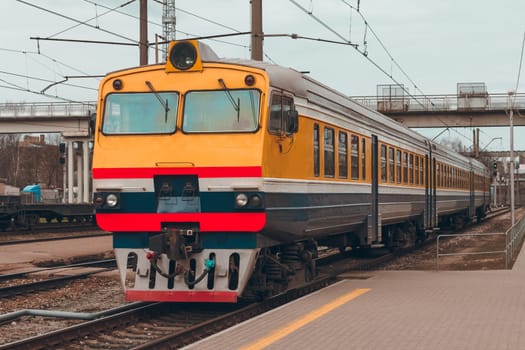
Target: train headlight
{"points": [[99, 200], [112, 200], [255, 201], [241, 200], [183, 55]]}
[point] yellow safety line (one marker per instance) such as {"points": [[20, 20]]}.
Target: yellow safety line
{"points": [[295, 325]]}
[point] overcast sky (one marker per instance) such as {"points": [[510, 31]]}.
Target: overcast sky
{"points": [[431, 44]]}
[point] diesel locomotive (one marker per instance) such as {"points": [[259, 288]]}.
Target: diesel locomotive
{"points": [[220, 178]]}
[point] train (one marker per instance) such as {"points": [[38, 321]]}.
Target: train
{"points": [[221, 178], [24, 209]]}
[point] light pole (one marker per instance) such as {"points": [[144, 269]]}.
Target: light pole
{"points": [[511, 124], [493, 139], [495, 175]]}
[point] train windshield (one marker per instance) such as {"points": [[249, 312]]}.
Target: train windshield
{"points": [[140, 113], [221, 111]]}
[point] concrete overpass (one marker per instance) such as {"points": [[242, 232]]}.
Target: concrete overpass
{"points": [[72, 121], [438, 111], [69, 119]]}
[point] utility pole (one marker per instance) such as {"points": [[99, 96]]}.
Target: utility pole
{"points": [[257, 31], [143, 42], [511, 168]]}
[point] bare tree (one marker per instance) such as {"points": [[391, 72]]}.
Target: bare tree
{"points": [[454, 144]]}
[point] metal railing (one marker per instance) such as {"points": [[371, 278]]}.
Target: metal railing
{"points": [[513, 239], [55, 109], [442, 103], [438, 254]]}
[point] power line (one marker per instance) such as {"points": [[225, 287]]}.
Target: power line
{"points": [[363, 52], [383, 46], [121, 12], [320, 22], [519, 70], [19, 88], [46, 80], [76, 20], [96, 17]]}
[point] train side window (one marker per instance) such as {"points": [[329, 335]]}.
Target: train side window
{"points": [[329, 160], [343, 154], [416, 170], [279, 109], [422, 171], [411, 168], [363, 158], [438, 175], [383, 163], [355, 157], [398, 166], [391, 164], [405, 167], [316, 151]]}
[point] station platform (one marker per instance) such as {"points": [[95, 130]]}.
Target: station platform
{"points": [[395, 310], [25, 257]]}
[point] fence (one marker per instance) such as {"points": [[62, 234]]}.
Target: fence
{"points": [[513, 239]]}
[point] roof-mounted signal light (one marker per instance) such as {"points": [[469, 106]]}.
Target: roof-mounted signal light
{"points": [[183, 56]]}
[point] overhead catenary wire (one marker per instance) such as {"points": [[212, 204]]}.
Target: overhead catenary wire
{"points": [[49, 81], [368, 27], [375, 64], [519, 72], [92, 18], [78, 21], [363, 52], [16, 87]]}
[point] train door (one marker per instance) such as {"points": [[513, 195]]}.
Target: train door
{"points": [[430, 191], [472, 199], [374, 221]]}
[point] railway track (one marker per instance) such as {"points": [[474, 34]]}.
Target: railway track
{"points": [[161, 325], [171, 325]]}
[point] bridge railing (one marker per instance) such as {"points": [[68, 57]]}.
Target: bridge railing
{"points": [[442, 103], [55, 109]]}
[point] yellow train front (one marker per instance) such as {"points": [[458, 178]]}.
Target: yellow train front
{"points": [[177, 173]]}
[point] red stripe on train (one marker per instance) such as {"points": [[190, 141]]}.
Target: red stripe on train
{"points": [[209, 222], [190, 296], [142, 173]]}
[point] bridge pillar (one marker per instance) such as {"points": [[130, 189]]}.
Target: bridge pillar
{"points": [[86, 156], [70, 171], [80, 186], [78, 159]]}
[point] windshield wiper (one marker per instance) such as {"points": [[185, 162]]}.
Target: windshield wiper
{"points": [[162, 102], [236, 106]]}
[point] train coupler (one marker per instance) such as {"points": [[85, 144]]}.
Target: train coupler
{"points": [[177, 243]]}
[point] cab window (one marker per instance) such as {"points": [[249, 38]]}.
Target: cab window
{"points": [[221, 111], [140, 113], [280, 105]]}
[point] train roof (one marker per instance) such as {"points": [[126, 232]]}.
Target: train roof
{"points": [[304, 86], [315, 92]]}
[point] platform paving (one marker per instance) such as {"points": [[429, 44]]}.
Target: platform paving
{"points": [[27, 256], [397, 310]]}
